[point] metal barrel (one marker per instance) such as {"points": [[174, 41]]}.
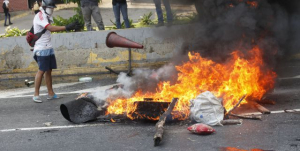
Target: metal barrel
{"points": [[80, 111]]}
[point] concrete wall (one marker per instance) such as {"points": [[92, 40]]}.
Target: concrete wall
{"points": [[86, 52]]}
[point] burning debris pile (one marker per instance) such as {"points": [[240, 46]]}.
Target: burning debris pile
{"points": [[231, 53]]}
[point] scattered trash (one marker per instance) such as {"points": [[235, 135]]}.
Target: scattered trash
{"points": [[191, 139], [28, 83], [85, 79], [207, 109], [232, 122], [49, 131], [48, 123], [201, 129]]}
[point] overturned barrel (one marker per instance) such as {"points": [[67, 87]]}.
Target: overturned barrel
{"points": [[80, 111]]}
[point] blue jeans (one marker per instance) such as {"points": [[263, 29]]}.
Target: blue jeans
{"points": [[160, 13], [121, 7], [7, 16]]}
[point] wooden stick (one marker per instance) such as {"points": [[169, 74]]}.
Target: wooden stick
{"points": [[261, 109], [291, 111], [237, 104], [160, 124], [253, 117], [232, 122]]}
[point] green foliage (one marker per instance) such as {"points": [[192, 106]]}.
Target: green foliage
{"points": [[146, 19], [193, 18], [14, 32], [59, 21], [123, 24]]}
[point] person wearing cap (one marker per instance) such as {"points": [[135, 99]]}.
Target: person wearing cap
{"points": [[43, 52], [160, 13], [90, 8], [120, 6], [6, 12]]}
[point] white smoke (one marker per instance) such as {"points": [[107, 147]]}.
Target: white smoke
{"points": [[145, 80]]}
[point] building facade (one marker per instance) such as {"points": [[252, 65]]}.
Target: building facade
{"points": [[21, 5]]}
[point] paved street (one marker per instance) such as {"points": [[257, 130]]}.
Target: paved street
{"points": [[29, 126], [22, 124]]}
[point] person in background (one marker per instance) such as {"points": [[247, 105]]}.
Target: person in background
{"points": [[6, 8], [160, 13], [120, 6], [43, 52], [90, 8], [36, 6]]}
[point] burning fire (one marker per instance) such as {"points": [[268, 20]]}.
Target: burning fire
{"points": [[230, 81]]}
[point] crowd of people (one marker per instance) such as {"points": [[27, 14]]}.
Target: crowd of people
{"points": [[90, 9]]}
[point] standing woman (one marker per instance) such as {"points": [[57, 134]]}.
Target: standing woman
{"points": [[6, 8], [120, 6]]}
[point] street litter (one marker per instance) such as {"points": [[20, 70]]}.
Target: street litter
{"points": [[232, 122], [85, 79], [28, 83], [48, 123], [207, 109], [201, 129]]}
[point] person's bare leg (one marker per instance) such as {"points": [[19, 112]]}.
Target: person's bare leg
{"points": [[38, 82], [48, 80]]}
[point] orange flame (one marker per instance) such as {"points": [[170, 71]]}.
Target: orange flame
{"points": [[231, 80]]}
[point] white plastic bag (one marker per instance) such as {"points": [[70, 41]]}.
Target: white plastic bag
{"points": [[207, 109]]}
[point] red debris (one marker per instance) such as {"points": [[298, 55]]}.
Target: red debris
{"points": [[201, 129]]}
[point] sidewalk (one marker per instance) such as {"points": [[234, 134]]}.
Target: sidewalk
{"points": [[136, 8]]}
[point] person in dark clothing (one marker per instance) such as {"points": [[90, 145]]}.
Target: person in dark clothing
{"points": [[6, 12], [160, 13], [90, 8], [120, 6]]}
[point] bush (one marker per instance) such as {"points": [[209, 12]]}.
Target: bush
{"points": [[59, 21], [146, 19], [193, 18], [123, 24], [14, 32]]}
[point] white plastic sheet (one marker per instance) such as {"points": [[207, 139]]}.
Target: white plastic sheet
{"points": [[207, 109]]}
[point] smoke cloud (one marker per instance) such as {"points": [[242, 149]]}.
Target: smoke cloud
{"points": [[223, 27]]}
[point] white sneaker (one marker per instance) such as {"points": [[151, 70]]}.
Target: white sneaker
{"points": [[37, 99]]}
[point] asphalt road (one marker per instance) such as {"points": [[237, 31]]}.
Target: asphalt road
{"points": [[23, 125]]}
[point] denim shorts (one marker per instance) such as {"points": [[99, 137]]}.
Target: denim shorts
{"points": [[45, 59]]}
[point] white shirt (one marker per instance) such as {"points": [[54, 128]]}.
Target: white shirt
{"points": [[6, 3], [40, 22]]}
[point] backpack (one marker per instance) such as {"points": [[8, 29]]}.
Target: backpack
{"points": [[4, 6], [32, 38]]}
